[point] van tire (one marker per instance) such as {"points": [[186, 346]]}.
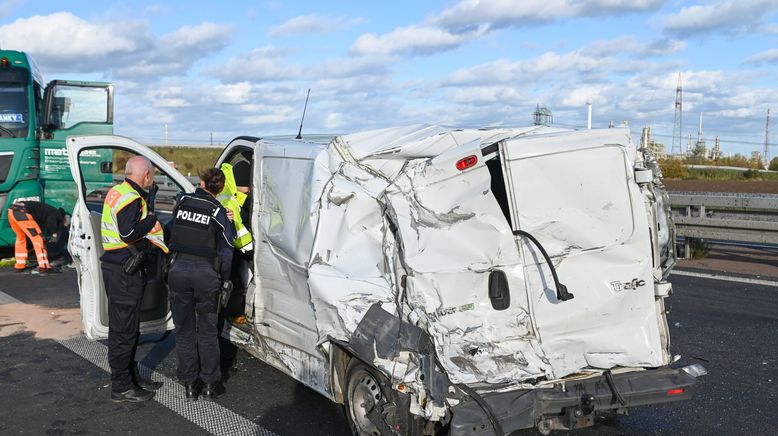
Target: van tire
{"points": [[366, 388]]}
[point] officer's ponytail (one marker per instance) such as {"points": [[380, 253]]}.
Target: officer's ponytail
{"points": [[213, 178]]}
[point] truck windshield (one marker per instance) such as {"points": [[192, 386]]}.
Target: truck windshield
{"points": [[14, 110]]}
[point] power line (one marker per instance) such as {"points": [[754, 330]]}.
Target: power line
{"points": [[723, 140]]}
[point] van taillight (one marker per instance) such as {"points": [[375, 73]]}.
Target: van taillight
{"points": [[466, 162], [675, 391]]}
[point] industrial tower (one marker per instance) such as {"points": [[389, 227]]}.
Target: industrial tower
{"points": [[678, 120], [767, 139]]}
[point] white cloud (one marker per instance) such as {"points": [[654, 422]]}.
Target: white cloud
{"points": [[770, 29], [65, 39], [412, 40], [505, 13], [730, 16], [314, 23], [269, 115], [548, 66], [235, 93], [259, 65], [471, 19], [630, 44], [334, 120], [122, 50], [766, 57], [353, 66], [204, 37]]}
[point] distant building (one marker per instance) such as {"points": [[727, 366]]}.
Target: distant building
{"points": [[715, 153], [657, 149]]}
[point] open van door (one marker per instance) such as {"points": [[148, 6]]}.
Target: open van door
{"points": [[92, 160]]}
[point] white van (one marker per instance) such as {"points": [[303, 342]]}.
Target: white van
{"points": [[439, 280]]}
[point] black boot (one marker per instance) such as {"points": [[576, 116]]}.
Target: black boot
{"points": [[192, 390], [146, 385], [213, 390], [134, 395]]}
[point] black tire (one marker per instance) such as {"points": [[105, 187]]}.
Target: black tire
{"points": [[365, 389]]}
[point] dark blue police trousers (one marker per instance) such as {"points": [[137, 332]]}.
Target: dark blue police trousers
{"points": [[194, 290]]}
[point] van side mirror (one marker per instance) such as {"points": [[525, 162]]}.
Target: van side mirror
{"points": [[106, 167]]}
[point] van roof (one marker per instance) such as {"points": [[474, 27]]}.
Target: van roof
{"points": [[403, 142]]}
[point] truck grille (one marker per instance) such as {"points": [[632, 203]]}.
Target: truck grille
{"points": [[5, 165]]}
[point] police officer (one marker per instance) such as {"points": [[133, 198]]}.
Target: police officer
{"points": [[201, 242], [233, 197], [128, 229]]}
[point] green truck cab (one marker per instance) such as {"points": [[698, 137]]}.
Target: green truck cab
{"points": [[34, 123]]}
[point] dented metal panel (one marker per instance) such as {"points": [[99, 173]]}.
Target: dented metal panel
{"points": [[385, 221]]}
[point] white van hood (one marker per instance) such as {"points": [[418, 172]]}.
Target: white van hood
{"points": [[395, 222]]}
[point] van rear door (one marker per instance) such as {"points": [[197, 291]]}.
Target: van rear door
{"points": [[92, 160], [575, 193]]}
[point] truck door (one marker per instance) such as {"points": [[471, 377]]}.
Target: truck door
{"points": [[96, 164], [70, 108]]}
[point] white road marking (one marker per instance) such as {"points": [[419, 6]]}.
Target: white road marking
{"points": [[725, 278], [212, 417]]}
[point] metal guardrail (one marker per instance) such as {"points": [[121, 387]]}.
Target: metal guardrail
{"points": [[727, 217]]}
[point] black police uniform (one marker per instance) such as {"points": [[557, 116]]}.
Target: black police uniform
{"points": [[201, 240], [125, 293]]}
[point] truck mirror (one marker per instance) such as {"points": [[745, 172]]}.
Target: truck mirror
{"points": [[106, 167]]}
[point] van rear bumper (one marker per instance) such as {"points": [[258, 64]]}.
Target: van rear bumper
{"points": [[558, 408]]}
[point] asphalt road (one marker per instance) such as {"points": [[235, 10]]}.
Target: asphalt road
{"points": [[731, 328]]}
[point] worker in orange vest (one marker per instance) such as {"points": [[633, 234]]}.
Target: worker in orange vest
{"points": [[26, 219]]}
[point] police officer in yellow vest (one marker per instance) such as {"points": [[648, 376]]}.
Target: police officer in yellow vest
{"points": [[234, 197], [129, 229]]}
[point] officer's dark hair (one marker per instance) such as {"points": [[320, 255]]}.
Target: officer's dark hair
{"points": [[213, 179]]}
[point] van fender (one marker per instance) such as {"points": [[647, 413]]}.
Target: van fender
{"points": [[400, 351]]}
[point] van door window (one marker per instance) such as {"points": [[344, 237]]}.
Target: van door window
{"points": [[286, 198], [102, 168]]}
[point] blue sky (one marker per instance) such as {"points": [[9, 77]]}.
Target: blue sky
{"points": [[241, 67]]}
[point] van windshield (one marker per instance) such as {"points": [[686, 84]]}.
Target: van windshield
{"points": [[14, 110]]}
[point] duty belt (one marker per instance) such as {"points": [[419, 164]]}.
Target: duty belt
{"points": [[215, 261]]}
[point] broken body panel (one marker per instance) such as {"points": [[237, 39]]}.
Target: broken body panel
{"points": [[460, 264]]}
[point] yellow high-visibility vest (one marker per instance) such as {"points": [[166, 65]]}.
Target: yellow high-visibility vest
{"points": [[232, 199], [118, 197]]}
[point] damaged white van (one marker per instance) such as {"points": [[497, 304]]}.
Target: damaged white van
{"points": [[439, 280]]}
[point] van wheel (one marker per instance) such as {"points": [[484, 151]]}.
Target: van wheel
{"points": [[367, 391], [363, 394]]}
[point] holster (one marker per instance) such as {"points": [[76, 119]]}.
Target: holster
{"points": [[224, 294], [136, 260]]}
